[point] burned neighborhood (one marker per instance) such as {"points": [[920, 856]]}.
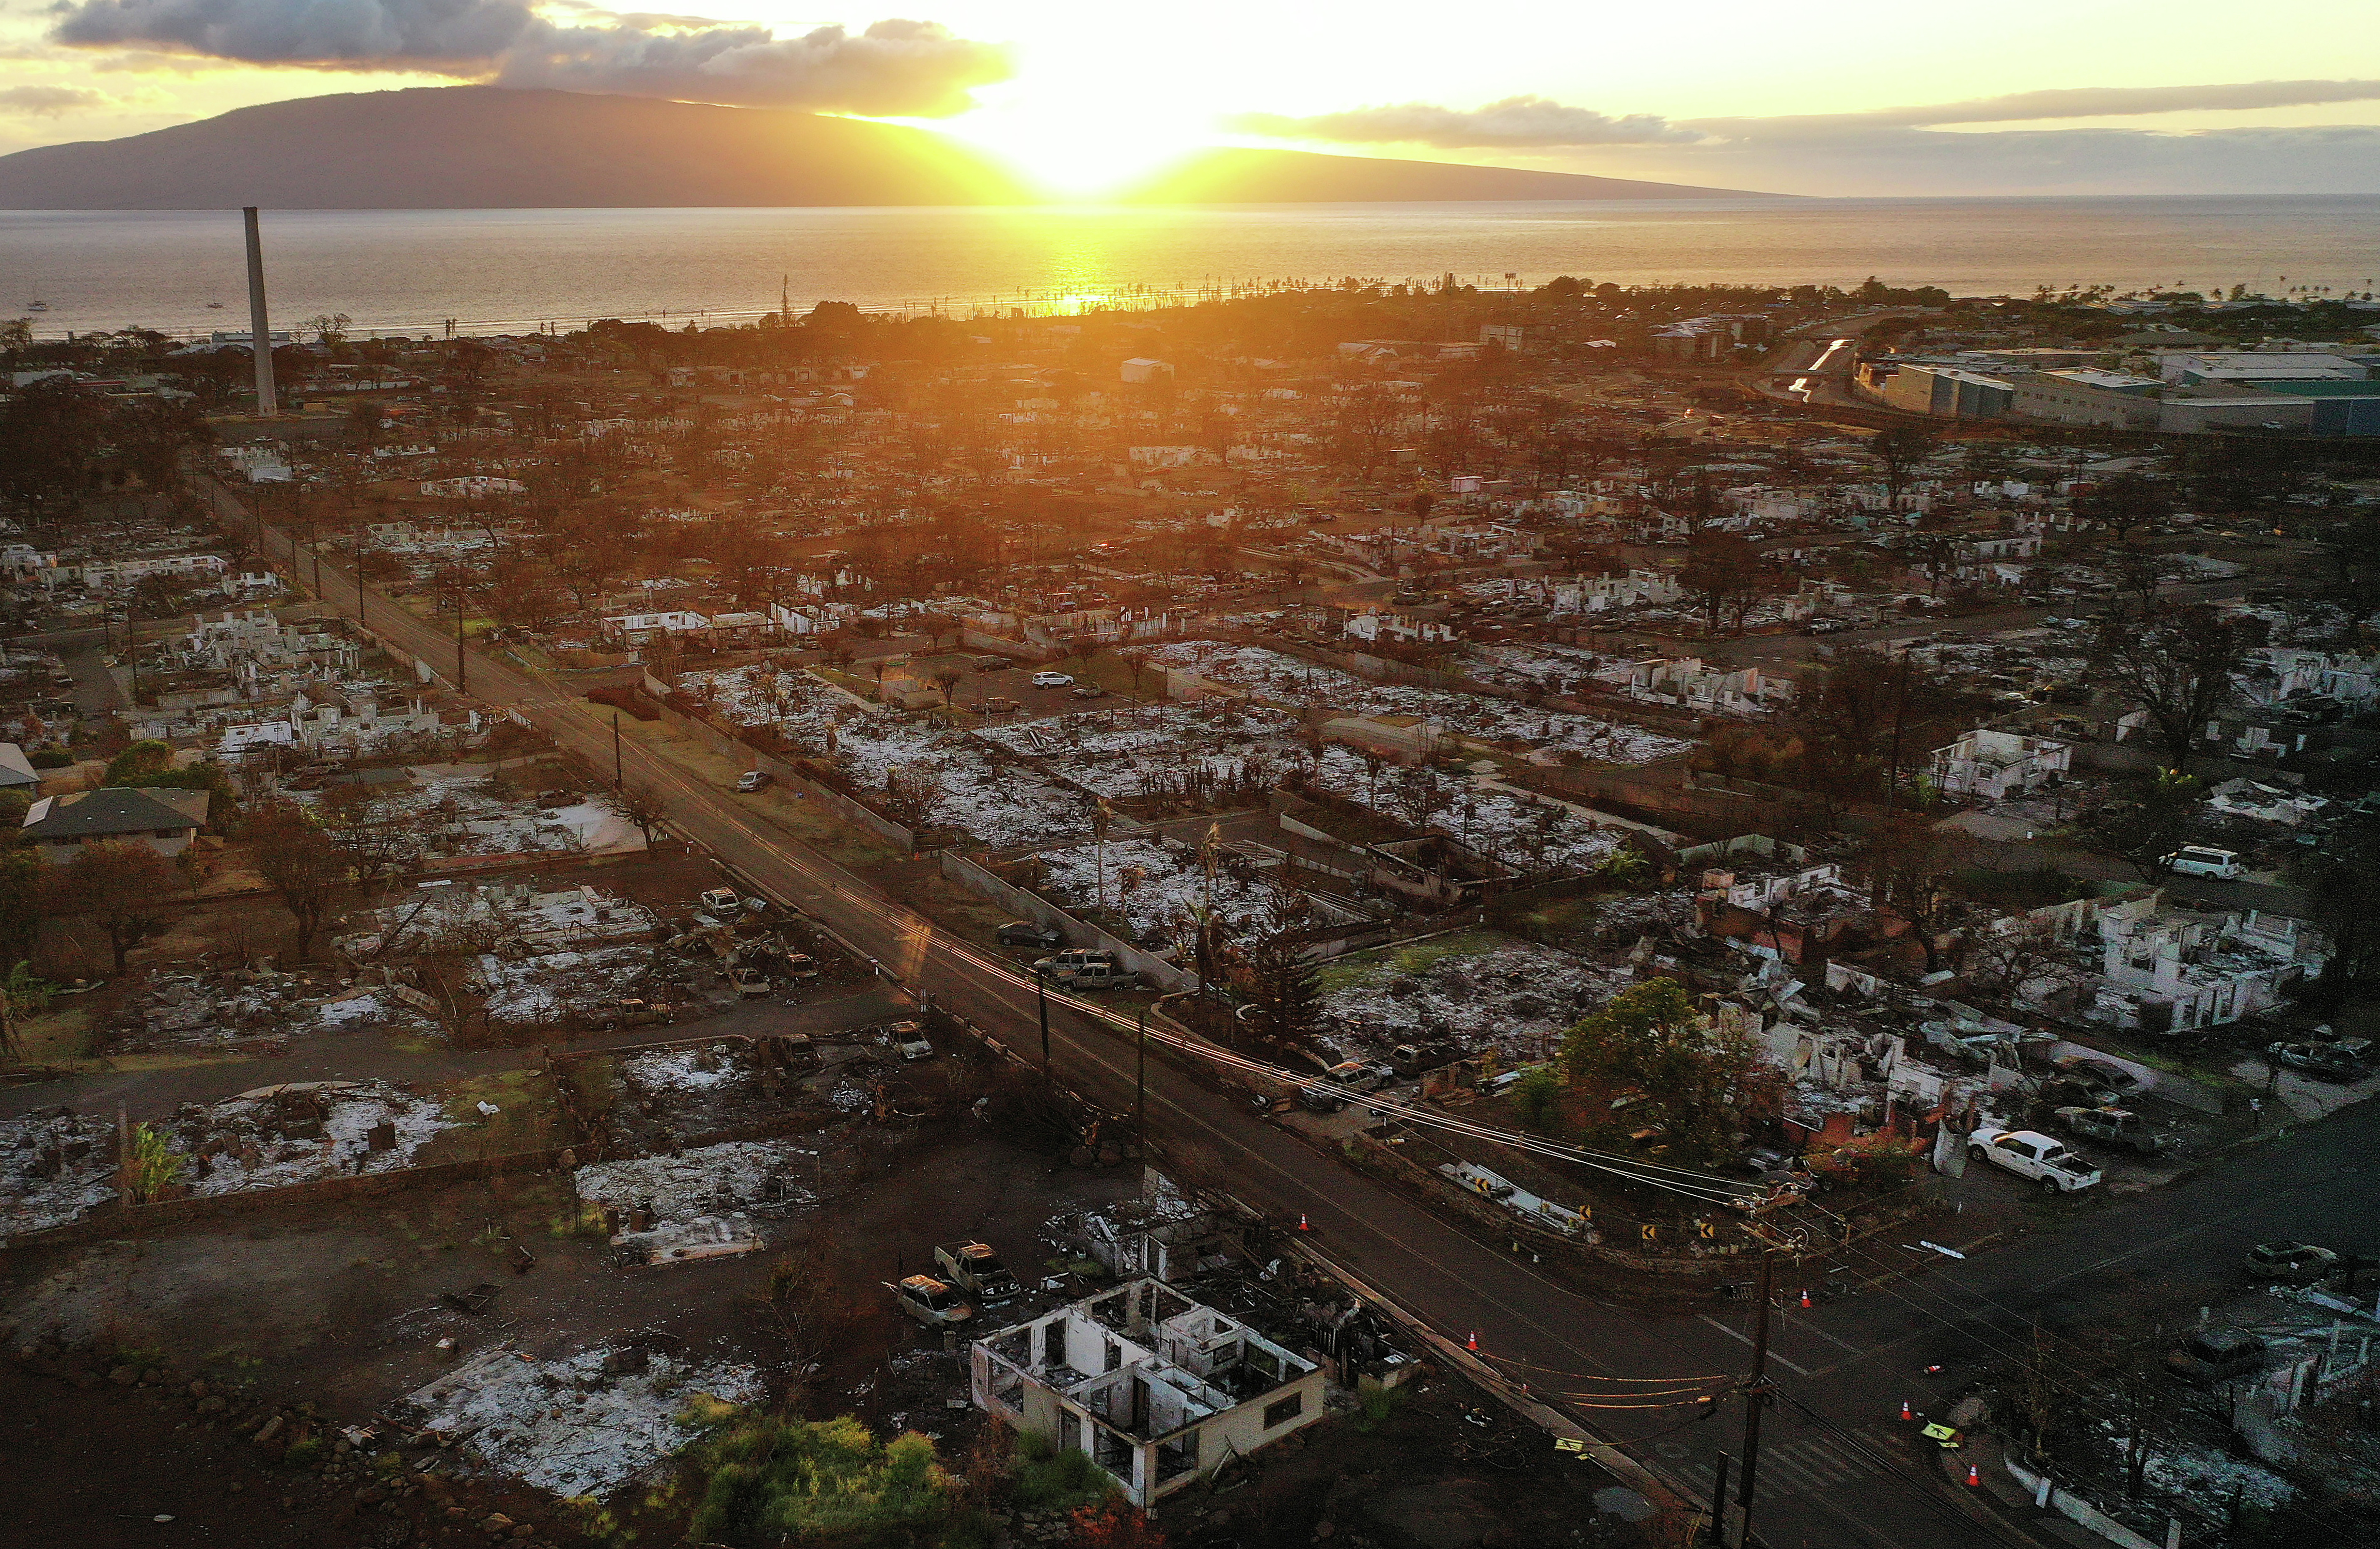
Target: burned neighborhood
{"points": [[1399, 915]]}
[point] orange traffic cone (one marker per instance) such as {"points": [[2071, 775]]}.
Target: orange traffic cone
{"points": [[1905, 1410], [1805, 1298], [1471, 1343], [1974, 1480], [1301, 1222]]}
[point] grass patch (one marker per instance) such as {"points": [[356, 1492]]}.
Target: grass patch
{"points": [[1380, 962], [1050, 1479], [587, 1222], [58, 1037], [773, 1479], [524, 1120], [1375, 1406]]}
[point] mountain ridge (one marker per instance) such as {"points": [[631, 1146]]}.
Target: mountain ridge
{"points": [[485, 147]]}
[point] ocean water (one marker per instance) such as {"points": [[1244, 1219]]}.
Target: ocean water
{"points": [[498, 270]]}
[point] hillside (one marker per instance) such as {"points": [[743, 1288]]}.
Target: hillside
{"points": [[1233, 176], [483, 147]]}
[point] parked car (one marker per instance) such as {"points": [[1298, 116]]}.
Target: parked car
{"points": [[720, 902], [800, 967], [755, 780], [1771, 1165], [2216, 1355], [1319, 1098], [975, 1268], [1356, 1076], [1087, 968], [933, 1302], [2197, 860], [1088, 690], [2120, 1127], [1054, 679], [1097, 976], [1411, 1059], [1025, 932], [750, 982], [908, 1040], [2032, 1155], [998, 706], [2296, 1263], [2325, 1060], [2104, 1074]]}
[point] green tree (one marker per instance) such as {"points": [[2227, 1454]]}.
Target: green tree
{"points": [[1680, 1073], [1284, 987], [1536, 1097], [140, 761], [2148, 818]]}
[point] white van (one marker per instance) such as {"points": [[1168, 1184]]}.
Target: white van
{"points": [[2197, 860]]}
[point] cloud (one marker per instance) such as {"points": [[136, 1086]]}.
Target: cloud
{"points": [[2124, 101], [894, 68], [1937, 148], [1514, 123], [48, 102]]}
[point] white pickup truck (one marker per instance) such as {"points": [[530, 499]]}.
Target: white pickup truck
{"points": [[2030, 1154]]}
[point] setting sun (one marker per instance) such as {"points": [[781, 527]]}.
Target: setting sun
{"points": [[1084, 147]]}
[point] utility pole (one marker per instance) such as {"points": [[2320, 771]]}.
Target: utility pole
{"points": [[1140, 1091], [462, 669], [1041, 999], [1756, 1396], [615, 750], [260, 326], [1718, 1503]]}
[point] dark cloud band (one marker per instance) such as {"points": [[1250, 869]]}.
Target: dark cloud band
{"points": [[894, 68]]}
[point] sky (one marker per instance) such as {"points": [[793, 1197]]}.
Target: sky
{"points": [[1829, 97]]}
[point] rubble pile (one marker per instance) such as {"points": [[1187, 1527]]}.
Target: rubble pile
{"points": [[540, 990], [581, 1425], [709, 1181], [447, 810], [993, 802], [1153, 884], [1513, 996], [280, 1135], [683, 1070], [1290, 680], [53, 1170], [502, 915], [213, 1009]]}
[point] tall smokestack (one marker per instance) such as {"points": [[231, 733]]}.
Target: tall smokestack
{"points": [[260, 329]]}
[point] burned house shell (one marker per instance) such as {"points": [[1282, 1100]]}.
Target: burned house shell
{"points": [[1155, 1387]]}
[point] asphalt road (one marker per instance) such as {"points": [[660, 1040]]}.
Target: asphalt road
{"points": [[1837, 1469]]}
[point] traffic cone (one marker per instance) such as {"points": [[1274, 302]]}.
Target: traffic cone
{"points": [[1905, 1410], [1974, 1480], [1471, 1343], [1301, 1222], [1805, 1298]]}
